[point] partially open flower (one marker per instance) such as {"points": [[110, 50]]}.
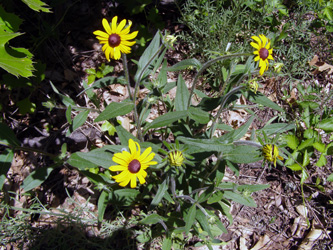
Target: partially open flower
{"points": [[132, 165], [263, 52], [253, 85], [176, 158], [271, 153], [116, 38]]}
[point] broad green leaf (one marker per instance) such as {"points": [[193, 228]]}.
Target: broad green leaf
{"points": [[146, 57], [7, 136], [295, 167], [36, 178], [306, 143], [167, 119], [275, 128], [205, 145], [190, 218], [101, 205], [243, 154], [186, 64], [124, 135], [182, 95], [236, 134], [263, 100], [216, 197], [319, 146], [115, 109], [6, 158], [37, 5], [330, 178], [203, 221], [99, 157], [107, 126], [80, 119], [322, 161], [76, 161], [125, 197], [8, 21], [160, 194], [236, 197], [292, 141], [16, 61], [167, 243], [152, 219], [326, 125], [199, 115]]}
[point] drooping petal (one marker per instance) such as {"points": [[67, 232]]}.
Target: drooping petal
{"points": [[108, 52], [133, 181], [141, 179]]}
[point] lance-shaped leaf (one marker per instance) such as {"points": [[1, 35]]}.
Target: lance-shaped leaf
{"points": [[115, 109], [167, 119]]}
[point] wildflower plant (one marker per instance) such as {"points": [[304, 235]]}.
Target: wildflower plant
{"points": [[171, 167]]}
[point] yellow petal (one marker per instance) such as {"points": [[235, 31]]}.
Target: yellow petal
{"points": [[106, 26], [129, 36], [127, 29], [270, 57], [128, 43], [124, 49], [257, 39], [262, 70], [114, 24], [263, 39], [144, 154], [124, 183], [141, 179], [108, 52], [121, 26], [118, 168], [133, 181], [101, 34], [122, 176], [255, 45]]}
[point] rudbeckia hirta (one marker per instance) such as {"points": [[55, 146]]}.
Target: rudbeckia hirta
{"points": [[116, 39], [271, 153], [176, 158], [132, 164], [263, 52]]}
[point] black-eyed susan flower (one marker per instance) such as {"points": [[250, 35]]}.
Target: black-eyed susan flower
{"points": [[132, 164], [176, 158], [263, 52], [271, 153], [116, 39]]}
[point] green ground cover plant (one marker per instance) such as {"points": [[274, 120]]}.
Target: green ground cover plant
{"points": [[171, 166]]}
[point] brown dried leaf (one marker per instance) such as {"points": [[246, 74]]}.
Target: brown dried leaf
{"points": [[321, 66]]}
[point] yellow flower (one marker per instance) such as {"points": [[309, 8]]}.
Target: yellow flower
{"points": [[262, 51], [116, 38], [176, 158], [253, 85], [271, 153], [132, 165]]}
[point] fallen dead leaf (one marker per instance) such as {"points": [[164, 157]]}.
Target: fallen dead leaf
{"points": [[320, 66]]}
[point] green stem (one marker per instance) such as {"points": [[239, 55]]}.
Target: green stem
{"points": [[127, 76], [205, 66], [224, 100], [26, 149]]}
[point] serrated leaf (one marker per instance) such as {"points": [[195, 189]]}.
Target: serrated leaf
{"points": [[319, 146], [36, 178], [306, 143], [6, 158], [322, 161], [37, 5], [292, 141], [115, 109], [167, 244], [295, 167], [326, 125]]}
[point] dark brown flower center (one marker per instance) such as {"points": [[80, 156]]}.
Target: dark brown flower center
{"points": [[134, 166], [114, 40], [263, 53]]}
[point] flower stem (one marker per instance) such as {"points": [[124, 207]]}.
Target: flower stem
{"points": [[127, 76], [205, 66]]}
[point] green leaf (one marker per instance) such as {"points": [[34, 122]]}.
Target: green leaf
{"points": [[185, 64], [236, 134], [7, 136], [319, 146], [80, 119], [99, 157], [292, 141], [275, 128], [199, 115], [253, 188], [167, 243], [124, 135], [147, 55], [107, 126], [216, 197], [69, 114], [125, 197], [67, 101], [115, 109], [203, 221], [330, 178], [295, 167], [37, 5], [190, 218], [6, 158], [182, 94], [326, 125], [167, 119], [243, 154], [152, 219], [236, 197], [306, 143], [160, 193], [76, 161], [205, 145], [263, 100], [36, 178], [102, 203], [322, 161]]}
